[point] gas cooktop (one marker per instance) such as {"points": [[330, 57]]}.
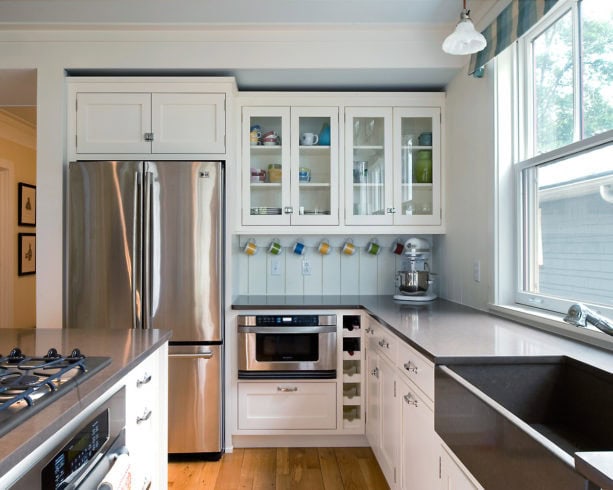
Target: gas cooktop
{"points": [[30, 383]]}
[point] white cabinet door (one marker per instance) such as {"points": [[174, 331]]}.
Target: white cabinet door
{"points": [[368, 166], [266, 166], [417, 166], [147, 420], [390, 421], [373, 407], [282, 405], [419, 443], [188, 123], [113, 122], [314, 165], [452, 476]]}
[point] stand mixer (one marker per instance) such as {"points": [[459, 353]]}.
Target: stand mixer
{"points": [[415, 284]]}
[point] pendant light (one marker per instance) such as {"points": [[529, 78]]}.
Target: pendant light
{"points": [[465, 39]]}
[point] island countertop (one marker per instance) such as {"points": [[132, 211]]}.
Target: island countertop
{"points": [[127, 348], [445, 332]]}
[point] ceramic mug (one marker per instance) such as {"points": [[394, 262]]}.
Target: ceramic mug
{"points": [[398, 248], [348, 248], [250, 247], [324, 247], [309, 139], [275, 247], [373, 247], [254, 137], [299, 248]]}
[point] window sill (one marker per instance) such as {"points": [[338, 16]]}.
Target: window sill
{"points": [[552, 323]]}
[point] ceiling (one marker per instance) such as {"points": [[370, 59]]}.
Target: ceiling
{"points": [[18, 87]]}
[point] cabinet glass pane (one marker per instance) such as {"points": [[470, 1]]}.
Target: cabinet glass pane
{"points": [[416, 171], [266, 140], [314, 166], [368, 166]]}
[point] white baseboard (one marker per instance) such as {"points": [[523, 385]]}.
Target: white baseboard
{"points": [[241, 441]]}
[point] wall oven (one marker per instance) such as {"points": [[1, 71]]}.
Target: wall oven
{"points": [[287, 346]]}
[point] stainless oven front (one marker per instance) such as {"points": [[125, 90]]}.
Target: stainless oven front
{"points": [[287, 346]]}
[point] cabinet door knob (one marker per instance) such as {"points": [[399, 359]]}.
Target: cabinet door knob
{"points": [[143, 381], [375, 373], [288, 210], [383, 343], [143, 418], [148, 136], [391, 210]]}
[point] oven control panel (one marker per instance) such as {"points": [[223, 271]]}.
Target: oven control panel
{"points": [[286, 320]]}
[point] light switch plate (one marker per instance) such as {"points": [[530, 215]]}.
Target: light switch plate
{"points": [[306, 267], [275, 267], [477, 270]]}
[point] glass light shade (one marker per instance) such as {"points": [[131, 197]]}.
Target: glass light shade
{"points": [[465, 39]]}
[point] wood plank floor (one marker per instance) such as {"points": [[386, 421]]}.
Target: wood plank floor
{"points": [[353, 468]]}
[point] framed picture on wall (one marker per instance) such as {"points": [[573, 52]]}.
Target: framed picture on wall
{"points": [[26, 246], [26, 205]]}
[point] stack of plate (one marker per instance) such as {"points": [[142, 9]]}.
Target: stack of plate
{"points": [[263, 210], [306, 211]]}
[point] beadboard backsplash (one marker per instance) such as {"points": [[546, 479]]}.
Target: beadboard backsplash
{"points": [[332, 274]]}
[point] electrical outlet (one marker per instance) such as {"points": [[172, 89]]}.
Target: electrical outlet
{"points": [[275, 267], [477, 270], [306, 267]]}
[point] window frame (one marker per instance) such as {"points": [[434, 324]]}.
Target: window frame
{"points": [[518, 66]]}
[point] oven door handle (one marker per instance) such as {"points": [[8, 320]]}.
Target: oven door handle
{"points": [[289, 330]]}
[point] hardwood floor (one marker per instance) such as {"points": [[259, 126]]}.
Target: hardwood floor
{"points": [[352, 468]]}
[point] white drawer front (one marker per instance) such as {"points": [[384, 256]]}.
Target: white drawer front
{"points": [[286, 405], [417, 368]]}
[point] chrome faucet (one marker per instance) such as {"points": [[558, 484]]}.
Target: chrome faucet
{"points": [[580, 315]]}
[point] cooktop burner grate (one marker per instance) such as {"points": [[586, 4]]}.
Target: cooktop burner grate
{"points": [[29, 383]]}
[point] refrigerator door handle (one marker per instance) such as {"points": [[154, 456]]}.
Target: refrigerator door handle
{"points": [[200, 355], [136, 233], [147, 290]]}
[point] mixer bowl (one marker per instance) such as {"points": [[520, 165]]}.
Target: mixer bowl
{"points": [[413, 282]]}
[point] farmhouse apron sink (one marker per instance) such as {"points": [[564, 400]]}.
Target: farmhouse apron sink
{"points": [[516, 422]]}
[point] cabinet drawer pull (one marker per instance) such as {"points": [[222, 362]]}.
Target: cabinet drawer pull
{"points": [[383, 343], [410, 399], [143, 381], [287, 389], [148, 136], [412, 368], [143, 418]]}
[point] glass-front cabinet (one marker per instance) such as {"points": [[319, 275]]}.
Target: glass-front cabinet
{"points": [[417, 169], [290, 165], [392, 168], [368, 168]]}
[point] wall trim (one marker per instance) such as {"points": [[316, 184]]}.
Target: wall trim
{"points": [[7, 242]]}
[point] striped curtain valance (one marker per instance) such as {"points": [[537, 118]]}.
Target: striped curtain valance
{"points": [[511, 24]]}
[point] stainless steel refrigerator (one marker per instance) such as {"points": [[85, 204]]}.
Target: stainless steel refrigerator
{"points": [[145, 250]]}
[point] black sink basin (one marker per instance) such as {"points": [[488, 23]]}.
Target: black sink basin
{"points": [[517, 422]]}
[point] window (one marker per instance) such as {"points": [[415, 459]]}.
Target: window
{"points": [[564, 176]]}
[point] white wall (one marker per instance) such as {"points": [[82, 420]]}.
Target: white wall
{"points": [[469, 167], [51, 52]]}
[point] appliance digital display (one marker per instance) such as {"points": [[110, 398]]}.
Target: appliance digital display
{"points": [[77, 452]]}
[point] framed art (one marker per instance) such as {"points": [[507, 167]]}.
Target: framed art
{"points": [[26, 204], [26, 246]]}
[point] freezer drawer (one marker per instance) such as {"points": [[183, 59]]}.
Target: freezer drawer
{"points": [[195, 399]]}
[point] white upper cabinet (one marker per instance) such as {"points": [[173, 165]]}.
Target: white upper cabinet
{"points": [[150, 123], [290, 166], [393, 166]]}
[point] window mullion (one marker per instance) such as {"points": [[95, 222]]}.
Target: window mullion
{"points": [[577, 73]]}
